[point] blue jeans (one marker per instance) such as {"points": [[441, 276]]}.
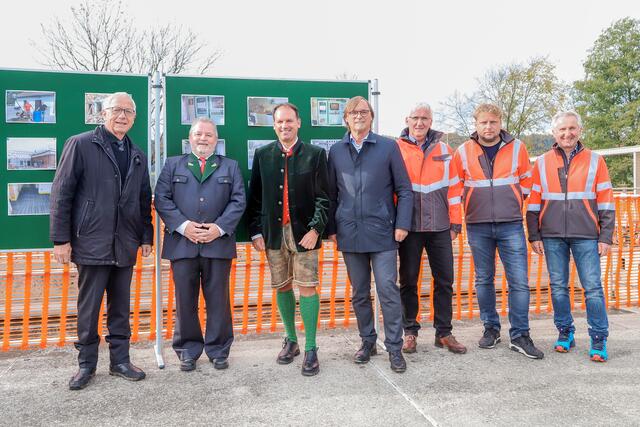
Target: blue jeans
{"points": [[508, 238], [585, 255]]}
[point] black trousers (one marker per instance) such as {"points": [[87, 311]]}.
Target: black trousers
{"points": [[213, 275], [440, 255], [93, 280]]}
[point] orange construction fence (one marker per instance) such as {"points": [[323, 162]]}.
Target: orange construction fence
{"points": [[38, 296]]}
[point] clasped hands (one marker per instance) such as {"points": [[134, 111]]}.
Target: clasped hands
{"points": [[201, 233]]}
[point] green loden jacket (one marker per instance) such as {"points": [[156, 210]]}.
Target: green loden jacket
{"points": [[307, 183]]}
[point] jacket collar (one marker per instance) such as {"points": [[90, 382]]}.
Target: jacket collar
{"points": [[579, 147], [505, 137], [372, 137], [432, 136]]}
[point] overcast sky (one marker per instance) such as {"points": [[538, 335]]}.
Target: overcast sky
{"points": [[419, 50]]}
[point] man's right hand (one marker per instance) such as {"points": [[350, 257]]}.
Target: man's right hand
{"points": [[191, 231], [258, 244], [538, 247], [62, 253]]}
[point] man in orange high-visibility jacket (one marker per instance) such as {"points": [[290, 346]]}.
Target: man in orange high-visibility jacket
{"points": [[571, 209], [436, 220], [494, 168]]}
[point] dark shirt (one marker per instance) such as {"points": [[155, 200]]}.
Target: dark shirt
{"points": [[120, 150], [491, 151]]}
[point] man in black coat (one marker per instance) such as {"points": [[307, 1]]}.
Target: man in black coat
{"points": [[200, 198], [100, 216], [366, 172], [287, 214]]}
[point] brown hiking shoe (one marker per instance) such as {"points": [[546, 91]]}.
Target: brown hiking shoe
{"points": [[409, 344], [451, 343]]}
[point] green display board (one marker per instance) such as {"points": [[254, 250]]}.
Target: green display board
{"points": [[30, 117], [202, 97]]}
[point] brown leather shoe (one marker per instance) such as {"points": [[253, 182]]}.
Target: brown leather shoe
{"points": [[409, 344], [451, 343]]}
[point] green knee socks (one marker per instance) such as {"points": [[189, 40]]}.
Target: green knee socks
{"points": [[309, 311], [287, 307]]}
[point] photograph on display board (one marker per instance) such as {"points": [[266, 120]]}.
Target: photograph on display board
{"points": [[31, 153], [220, 147], [30, 106], [29, 198], [93, 106], [196, 106], [260, 110], [327, 111], [324, 143], [252, 146]]}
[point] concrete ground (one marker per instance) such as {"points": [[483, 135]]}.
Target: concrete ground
{"points": [[483, 387]]}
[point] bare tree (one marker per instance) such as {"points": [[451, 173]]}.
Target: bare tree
{"points": [[346, 76], [99, 35], [528, 94]]}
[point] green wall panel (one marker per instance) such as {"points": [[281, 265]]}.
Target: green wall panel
{"points": [[32, 231], [235, 130]]}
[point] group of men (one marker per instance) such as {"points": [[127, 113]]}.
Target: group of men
{"points": [[378, 199]]}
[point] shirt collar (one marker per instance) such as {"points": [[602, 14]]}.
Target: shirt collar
{"points": [[288, 150], [353, 140]]}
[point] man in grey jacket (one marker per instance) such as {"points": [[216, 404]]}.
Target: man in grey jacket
{"points": [[365, 172], [100, 215], [200, 198]]}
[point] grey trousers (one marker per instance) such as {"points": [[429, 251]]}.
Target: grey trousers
{"points": [[385, 272]]}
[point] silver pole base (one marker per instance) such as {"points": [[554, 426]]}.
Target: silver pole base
{"points": [[159, 358]]}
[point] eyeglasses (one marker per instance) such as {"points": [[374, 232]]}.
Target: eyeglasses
{"points": [[128, 112], [420, 118], [361, 113]]}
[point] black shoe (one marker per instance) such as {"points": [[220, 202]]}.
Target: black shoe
{"points": [[290, 349], [367, 350], [82, 378], [397, 361], [187, 365], [220, 363], [128, 371], [310, 364], [523, 344], [490, 338]]}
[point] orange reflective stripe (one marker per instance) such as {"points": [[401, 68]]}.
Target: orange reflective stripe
{"points": [[245, 299], [334, 280]]}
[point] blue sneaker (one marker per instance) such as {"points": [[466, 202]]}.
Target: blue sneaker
{"points": [[565, 341], [598, 351]]}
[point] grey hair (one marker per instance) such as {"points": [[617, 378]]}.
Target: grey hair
{"points": [[562, 114], [421, 106], [199, 120], [111, 99]]}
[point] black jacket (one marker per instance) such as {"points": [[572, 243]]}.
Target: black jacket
{"points": [[307, 185], [104, 224]]}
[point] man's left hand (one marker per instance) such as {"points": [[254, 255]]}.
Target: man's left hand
{"points": [[603, 248], [400, 234], [208, 233], [310, 239], [146, 250]]}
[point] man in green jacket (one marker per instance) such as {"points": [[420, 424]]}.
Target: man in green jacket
{"points": [[287, 213]]}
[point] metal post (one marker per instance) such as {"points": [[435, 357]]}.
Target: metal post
{"points": [[157, 93], [376, 306]]}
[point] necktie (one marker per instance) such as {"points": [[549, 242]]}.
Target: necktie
{"points": [[120, 145], [203, 163]]}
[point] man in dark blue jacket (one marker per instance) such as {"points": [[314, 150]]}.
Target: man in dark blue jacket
{"points": [[365, 172], [200, 198], [100, 216]]}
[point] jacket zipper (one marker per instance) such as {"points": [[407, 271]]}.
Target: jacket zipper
{"points": [[115, 256]]}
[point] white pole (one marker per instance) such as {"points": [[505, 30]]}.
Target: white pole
{"points": [[157, 92], [376, 307]]}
